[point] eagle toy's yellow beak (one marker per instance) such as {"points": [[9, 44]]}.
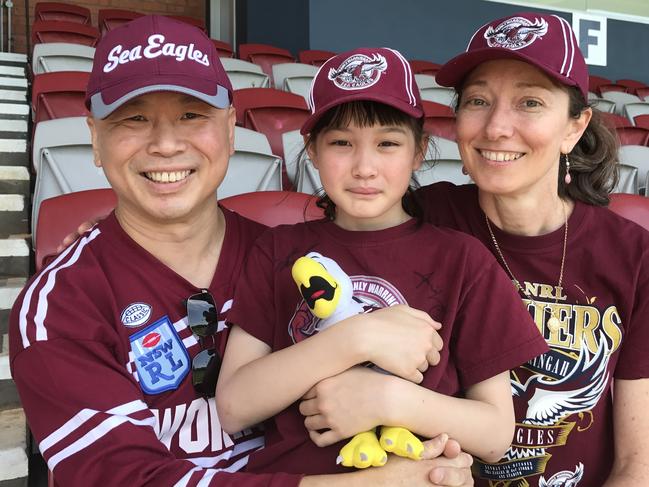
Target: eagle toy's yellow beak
{"points": [[319, 289]]}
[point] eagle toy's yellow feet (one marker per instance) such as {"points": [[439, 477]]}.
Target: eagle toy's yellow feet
{"points": [[401, 442], [363, 451]]}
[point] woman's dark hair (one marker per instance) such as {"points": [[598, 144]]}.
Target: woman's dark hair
{"points": [[593, 160], [366, 114]]}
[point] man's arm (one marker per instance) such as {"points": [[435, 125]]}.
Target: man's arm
{"points": [[631, 424]]}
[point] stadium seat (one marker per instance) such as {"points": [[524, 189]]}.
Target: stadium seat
{"points": [[244, 74], [638, 157], [433, 109], [223, 48], [441, 170], [606, 106], [628, 180], [63, 161], [594, 82], [58, 95], [109, 18], [271, 112], [439, 120], [425, 81], [613, 120], [631, 85], [620, 99], [641, 121], [299, 168], [198, 23], [314, 57], [265, 56], [274, 208], [632, 135], [424, 67], [61, 215], [253, 167], [61, 56], [632, 110], [610, 87], [61, 31], [632, 207], [439, 94], [294, 77], [642, 93], [442, 148], [61, 11]]}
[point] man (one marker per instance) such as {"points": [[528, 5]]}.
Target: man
{"points": [[113, 343]]}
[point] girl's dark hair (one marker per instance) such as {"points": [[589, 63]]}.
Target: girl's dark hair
{"points": [[366, 114], [593, 161]]}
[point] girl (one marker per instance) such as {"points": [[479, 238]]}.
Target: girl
{"points": [[365, 137]]}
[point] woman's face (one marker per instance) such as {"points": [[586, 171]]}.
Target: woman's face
{"points": [[512, 126]]}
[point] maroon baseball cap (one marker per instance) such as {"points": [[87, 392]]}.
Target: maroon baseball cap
{"points": [[376, 74], [543, 40], [155, 53]]}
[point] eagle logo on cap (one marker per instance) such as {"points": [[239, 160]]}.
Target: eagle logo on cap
{"points": [[515, 33], [358, 72]]}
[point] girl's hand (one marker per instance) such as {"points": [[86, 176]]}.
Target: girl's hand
{"points": [[345, 404], [399, 339]]}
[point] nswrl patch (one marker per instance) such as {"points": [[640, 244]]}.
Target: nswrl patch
{"points": [[161, 358]]}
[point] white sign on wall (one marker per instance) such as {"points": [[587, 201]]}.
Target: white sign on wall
{"points": [[591, 35]]}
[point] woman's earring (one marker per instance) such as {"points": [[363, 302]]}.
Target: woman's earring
{"points": [[567, 178], [464, 171]]}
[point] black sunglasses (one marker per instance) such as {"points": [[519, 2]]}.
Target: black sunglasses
{"points": [[203, 321]]}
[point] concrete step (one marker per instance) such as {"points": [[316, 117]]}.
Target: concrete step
{"points": [[14, 259], [12, 57], [13, 108], [12, 71], [13, 446], [13, 152], [15, 96], [9, 81], [14, 180], [14, 218]]}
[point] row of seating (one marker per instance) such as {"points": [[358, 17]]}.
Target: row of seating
{"points": [[599, 85]]}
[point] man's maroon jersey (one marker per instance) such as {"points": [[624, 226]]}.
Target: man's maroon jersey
{"points": [[101, 355]]}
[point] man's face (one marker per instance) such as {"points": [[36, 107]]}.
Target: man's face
{"points": [[164, 154]]}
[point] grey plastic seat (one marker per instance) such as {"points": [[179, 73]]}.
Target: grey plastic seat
{"points": [[441, 170], [439, 94], [638, 157], [294, 77], [425, 81], [61, 56], [603, 105], [300, 170], [252, 167], [620, 99], [632, 110], [628, 182], [244, 74], [441, 148], [63, 160]]}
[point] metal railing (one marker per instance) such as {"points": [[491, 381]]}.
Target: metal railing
{"points": [[8, 4]]}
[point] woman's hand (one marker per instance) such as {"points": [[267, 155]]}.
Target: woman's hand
{"points": [[400, 339], [345, 404]]}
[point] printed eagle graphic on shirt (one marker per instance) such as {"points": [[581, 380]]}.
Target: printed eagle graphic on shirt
{"points": [[588, 380]]}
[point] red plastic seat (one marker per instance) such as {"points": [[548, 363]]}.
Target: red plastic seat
{"points": [[314, 57], [594, 82], [603, 88], [614, 121], [632, 135], [441, 127], [59, 94], [62, 31], [632, 207], [271, 112], [223, 48], [110, 18], [642, 121], [642, 93], [632, 85], [274, 208], [61, 11], [265, 56], [61, 215], [424, 67], [433, 109]]}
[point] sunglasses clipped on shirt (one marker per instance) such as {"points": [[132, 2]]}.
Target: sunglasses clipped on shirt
{"points": [[203, 321]]}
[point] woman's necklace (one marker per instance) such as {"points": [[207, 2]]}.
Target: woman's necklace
{"points": [[553, 322]]}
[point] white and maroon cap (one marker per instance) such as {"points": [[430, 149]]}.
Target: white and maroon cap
{"points": [[543, 40], [366, 74], [155, 53]]}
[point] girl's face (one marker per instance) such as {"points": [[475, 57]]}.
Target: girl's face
{"points": [[512, 126], [366, 171]]}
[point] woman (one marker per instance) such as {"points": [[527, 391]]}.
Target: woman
{"points": [[543, 165]]}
